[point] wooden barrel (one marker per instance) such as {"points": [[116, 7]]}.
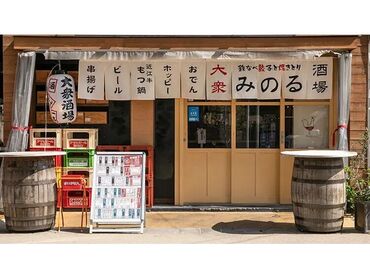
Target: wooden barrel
{"points": [[318, 194], [29, 193]]}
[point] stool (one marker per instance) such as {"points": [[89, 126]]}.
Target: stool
{"points": [[72, 183]]}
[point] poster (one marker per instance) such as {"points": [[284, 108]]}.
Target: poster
{"points": [[91, 79], [118, 191], [142, 80], [310, 127], [244, 80], [218, 80], [193, 79], [117, 80], [320, 78], [269, 80], [167, 79]]}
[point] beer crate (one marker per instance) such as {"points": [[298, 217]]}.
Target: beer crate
{"points": [[80, 138], [45, 138], [74, 198], [86, 172], [79, 158]]}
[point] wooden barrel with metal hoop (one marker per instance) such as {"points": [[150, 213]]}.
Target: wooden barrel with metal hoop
{"points": [[318, 194], [29, 193]]}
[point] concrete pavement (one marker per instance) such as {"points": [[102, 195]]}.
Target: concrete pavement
{"points": [[195, 228]]}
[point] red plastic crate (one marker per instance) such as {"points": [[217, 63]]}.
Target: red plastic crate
{"points": [[58, 160], [109, 148], [73, 198], [73, 182]]}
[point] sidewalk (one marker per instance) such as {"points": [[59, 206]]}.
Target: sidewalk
{"points": [[195, 228]]}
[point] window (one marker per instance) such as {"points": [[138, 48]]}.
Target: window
{"points": [[209, 127], [306, 127], [257, 126]]}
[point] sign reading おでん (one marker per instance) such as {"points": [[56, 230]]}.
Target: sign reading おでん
{"points": [[118, 191]]}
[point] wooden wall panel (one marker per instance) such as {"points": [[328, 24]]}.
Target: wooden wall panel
{"points": [[358, 102], [142, 122], [10, 63]]}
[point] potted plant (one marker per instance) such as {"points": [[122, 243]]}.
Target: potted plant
{"points": [[358, 188]]}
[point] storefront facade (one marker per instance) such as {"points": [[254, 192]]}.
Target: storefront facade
{"points": [[238, 160]]}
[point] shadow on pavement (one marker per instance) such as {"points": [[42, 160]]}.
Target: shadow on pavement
{"points": [[264, 227], [255, 227]]}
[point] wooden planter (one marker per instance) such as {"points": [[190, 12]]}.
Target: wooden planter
{"points": [[362, 216]]}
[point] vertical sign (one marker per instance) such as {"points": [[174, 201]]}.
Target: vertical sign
{"points": [[244, 80], [218, 80], [117, 80], [118, 191], [167, 79], [91, 79], [142, 80], [193, 79], [61, 98], [320, 78], [294, 79], [269, 80]]}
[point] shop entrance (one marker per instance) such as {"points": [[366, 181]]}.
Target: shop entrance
{"points": [[230, 151]]}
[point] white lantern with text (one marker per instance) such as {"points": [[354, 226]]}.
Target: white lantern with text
{"points": [[61, 98]]}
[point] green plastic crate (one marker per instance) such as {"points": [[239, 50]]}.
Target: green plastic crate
{"points": [[79, 158]]}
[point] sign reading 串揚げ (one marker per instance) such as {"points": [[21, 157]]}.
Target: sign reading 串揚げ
{"points": [[91, 79]]}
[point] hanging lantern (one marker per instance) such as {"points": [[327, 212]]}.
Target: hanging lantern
{"points": [[62, 98]]}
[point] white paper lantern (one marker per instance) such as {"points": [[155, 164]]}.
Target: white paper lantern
{"points": [[62, 98]]}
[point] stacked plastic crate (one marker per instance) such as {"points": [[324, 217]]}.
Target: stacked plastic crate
{"points": [[79, 145], [42, 139], [149, 167]]}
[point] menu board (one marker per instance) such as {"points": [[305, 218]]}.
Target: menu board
{"points": [[118, 190]]}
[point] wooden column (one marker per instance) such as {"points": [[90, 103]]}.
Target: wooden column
{"points": [[10, 64]]}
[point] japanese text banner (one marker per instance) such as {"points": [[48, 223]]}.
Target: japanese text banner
{"points": [[320, 78], [244, 80], [294, 79], [218, 80], [167, 79], [193, 79], [269, 80], [91, 79], [142, 80], [117, 80]]}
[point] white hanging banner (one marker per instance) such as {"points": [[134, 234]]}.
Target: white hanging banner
{"points": [[62, 98], [320, 78], [117, 80], [167, 79], [193, 79], [294, 79], [91, 79], [218, 80], [244, 80], [142, 80], [269, 80]]}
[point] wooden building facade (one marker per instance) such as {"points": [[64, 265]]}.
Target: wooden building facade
{"points": [[186, 175]]}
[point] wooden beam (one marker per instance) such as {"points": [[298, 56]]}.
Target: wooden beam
{"points": [[189, 42]]}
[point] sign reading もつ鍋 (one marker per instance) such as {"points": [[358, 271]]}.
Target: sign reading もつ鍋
{"points": [[210, 79], [118, 191]]}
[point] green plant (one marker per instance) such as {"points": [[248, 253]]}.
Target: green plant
{"points": [[358, 177]]}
